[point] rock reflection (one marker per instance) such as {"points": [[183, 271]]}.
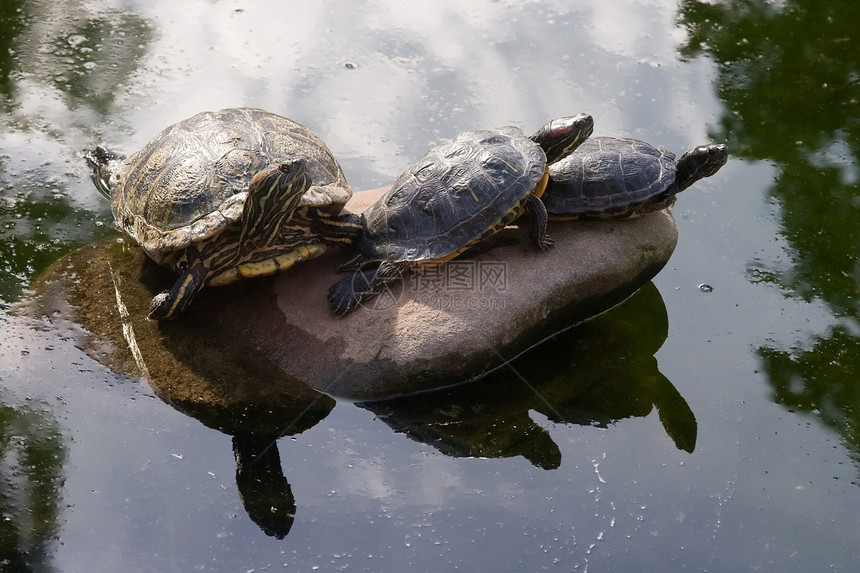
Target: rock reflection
{"points": [[194, 365], [595, 375], [788, 74]]}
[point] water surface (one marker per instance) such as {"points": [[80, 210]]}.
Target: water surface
{"points": [[704, 429]]}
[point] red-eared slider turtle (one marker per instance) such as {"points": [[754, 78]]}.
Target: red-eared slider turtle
{"points": [[226, 195], [461, 192], [610, 177]]}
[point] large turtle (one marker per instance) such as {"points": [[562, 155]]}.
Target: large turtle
{"points": [[224, 195], [611, 177], [461, 192]]}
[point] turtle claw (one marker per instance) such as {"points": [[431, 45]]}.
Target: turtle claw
{"points": [[361, 285], [342, 297], [546, 243], [159, 307]]}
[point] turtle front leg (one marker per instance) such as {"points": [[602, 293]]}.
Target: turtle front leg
{"points": [[537, 217], [171, 303], [361, 285]]}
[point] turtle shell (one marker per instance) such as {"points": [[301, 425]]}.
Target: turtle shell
{"points": [[191, 180], [459, 192], [608, 177]]}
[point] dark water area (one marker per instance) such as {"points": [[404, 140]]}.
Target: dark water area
{"points": [[710, 423]]}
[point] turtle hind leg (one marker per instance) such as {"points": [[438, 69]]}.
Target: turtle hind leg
{"points": [[361, 285], [537, 218]]}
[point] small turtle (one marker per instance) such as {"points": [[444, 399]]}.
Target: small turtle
{"points": [[616, 178], [226, 195], [461, 192]]}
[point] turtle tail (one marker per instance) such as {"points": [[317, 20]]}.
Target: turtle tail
{"points": [[103, 163]]}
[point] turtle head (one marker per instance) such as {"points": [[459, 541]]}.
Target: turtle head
{"points": [[698, 163], [273, 195], [560, 137], [285, 178], [275, 192]]}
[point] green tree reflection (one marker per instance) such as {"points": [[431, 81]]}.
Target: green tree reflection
{"points": [[10, 27], [68, 60], [31, 463], [65, 46], [822, 379], [790, 79]]}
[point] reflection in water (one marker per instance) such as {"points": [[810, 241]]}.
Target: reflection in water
{"points": [[790, 78], [58, 64], [11, 22], [265, 492], [64, 48], [32, 221], [193, 365], [822, 380], [31, 477], [595, 375]]}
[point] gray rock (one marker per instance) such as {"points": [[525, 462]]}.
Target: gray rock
{"points": [[491, 307], [438, 326]]}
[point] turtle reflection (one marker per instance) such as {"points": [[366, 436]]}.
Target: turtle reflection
{"points": [[596, 374], [265, 492], [193, 365]]}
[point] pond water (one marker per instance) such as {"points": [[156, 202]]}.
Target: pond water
{"points": [[711, 423]]}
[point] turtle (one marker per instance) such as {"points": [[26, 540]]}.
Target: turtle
{"points": [[224, 195], [461, 192], [617, 178]]}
